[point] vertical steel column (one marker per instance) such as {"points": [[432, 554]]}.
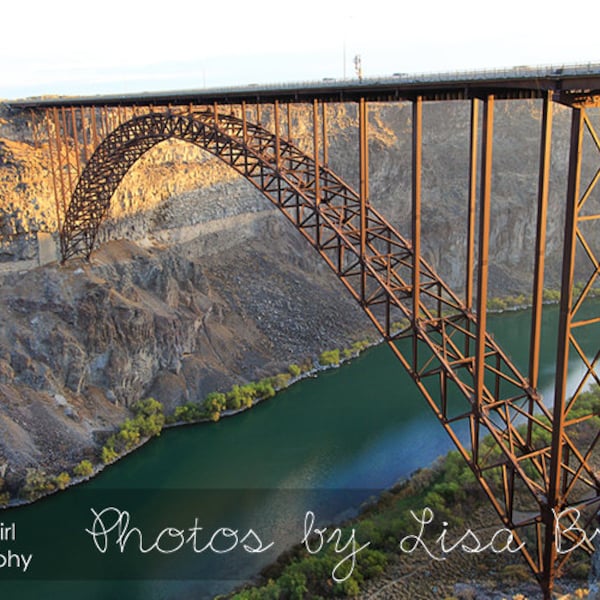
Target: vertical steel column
{"points": [[324, 124], [316, 150], [94, 128], [67, 151], [289, 121], [317, 169], [555, 497], [482, 267], [244, 123], [472, 208], [59, 160], [104, 121], [75, 142], [84, 132], [417, 159], [216, 118], [54, 186], [540, 252], [364, 191], [277, 138]]}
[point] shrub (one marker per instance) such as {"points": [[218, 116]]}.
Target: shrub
{"points": [[149, 418], [148, 422], [147, 407], [188, 412], [280, 381], [294, 370], [83, 469], [62, 480], [37, 483], [496, 304], [109, 454], [216, 402], [551, 295], [329, 357]]}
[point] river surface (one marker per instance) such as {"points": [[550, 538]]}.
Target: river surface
{"points": [[324, 445]]}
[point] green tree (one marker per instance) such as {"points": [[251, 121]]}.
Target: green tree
{"points": [[62, 480], [109, 454], [215, 403], [37, 483], [329, 357], [83, 469]]}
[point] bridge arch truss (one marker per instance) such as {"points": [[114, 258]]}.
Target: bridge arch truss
{"points": [[522, 452]]}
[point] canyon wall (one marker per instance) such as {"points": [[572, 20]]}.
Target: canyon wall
{"points": [[200, 283]]}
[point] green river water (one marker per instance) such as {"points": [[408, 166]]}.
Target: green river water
{"points": [[324, 445]]}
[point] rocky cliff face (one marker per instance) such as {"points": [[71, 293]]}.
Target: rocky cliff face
{"points": [[200, 283]]}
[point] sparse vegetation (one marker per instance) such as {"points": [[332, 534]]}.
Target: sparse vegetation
{"points": [[38, 483], [83, 469], [448, 488], [4, 494], [244, 396], [62, 480], [506, 302], [295, 370], [329, 358], [148, 422]]}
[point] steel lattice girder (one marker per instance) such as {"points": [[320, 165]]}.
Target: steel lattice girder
{"points": [[461, 371]]}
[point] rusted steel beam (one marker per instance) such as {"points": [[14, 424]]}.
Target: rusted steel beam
{"points": [[59, 159], [540, 246], [94, 129], [325, 136], [244, 123], [417, 162], [472, 204], [555, 499], [277, 134], [317, 167], [53, 172], [315, 128], [471, 212], [364, 189], [67, 150], [75, 141], [84, 133], [104, 128], [482, 268]]}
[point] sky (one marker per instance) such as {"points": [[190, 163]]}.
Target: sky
{"points": [[127, 46]]}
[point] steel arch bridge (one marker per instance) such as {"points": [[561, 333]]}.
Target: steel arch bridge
{"points": [[523, 453]]}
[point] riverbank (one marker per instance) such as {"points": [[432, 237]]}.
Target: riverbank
{"points": [[216, 405], [354, 429], [414, 544], [131, 437]]}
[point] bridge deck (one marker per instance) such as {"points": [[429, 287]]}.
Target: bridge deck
{"points": [[571, 84]]}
